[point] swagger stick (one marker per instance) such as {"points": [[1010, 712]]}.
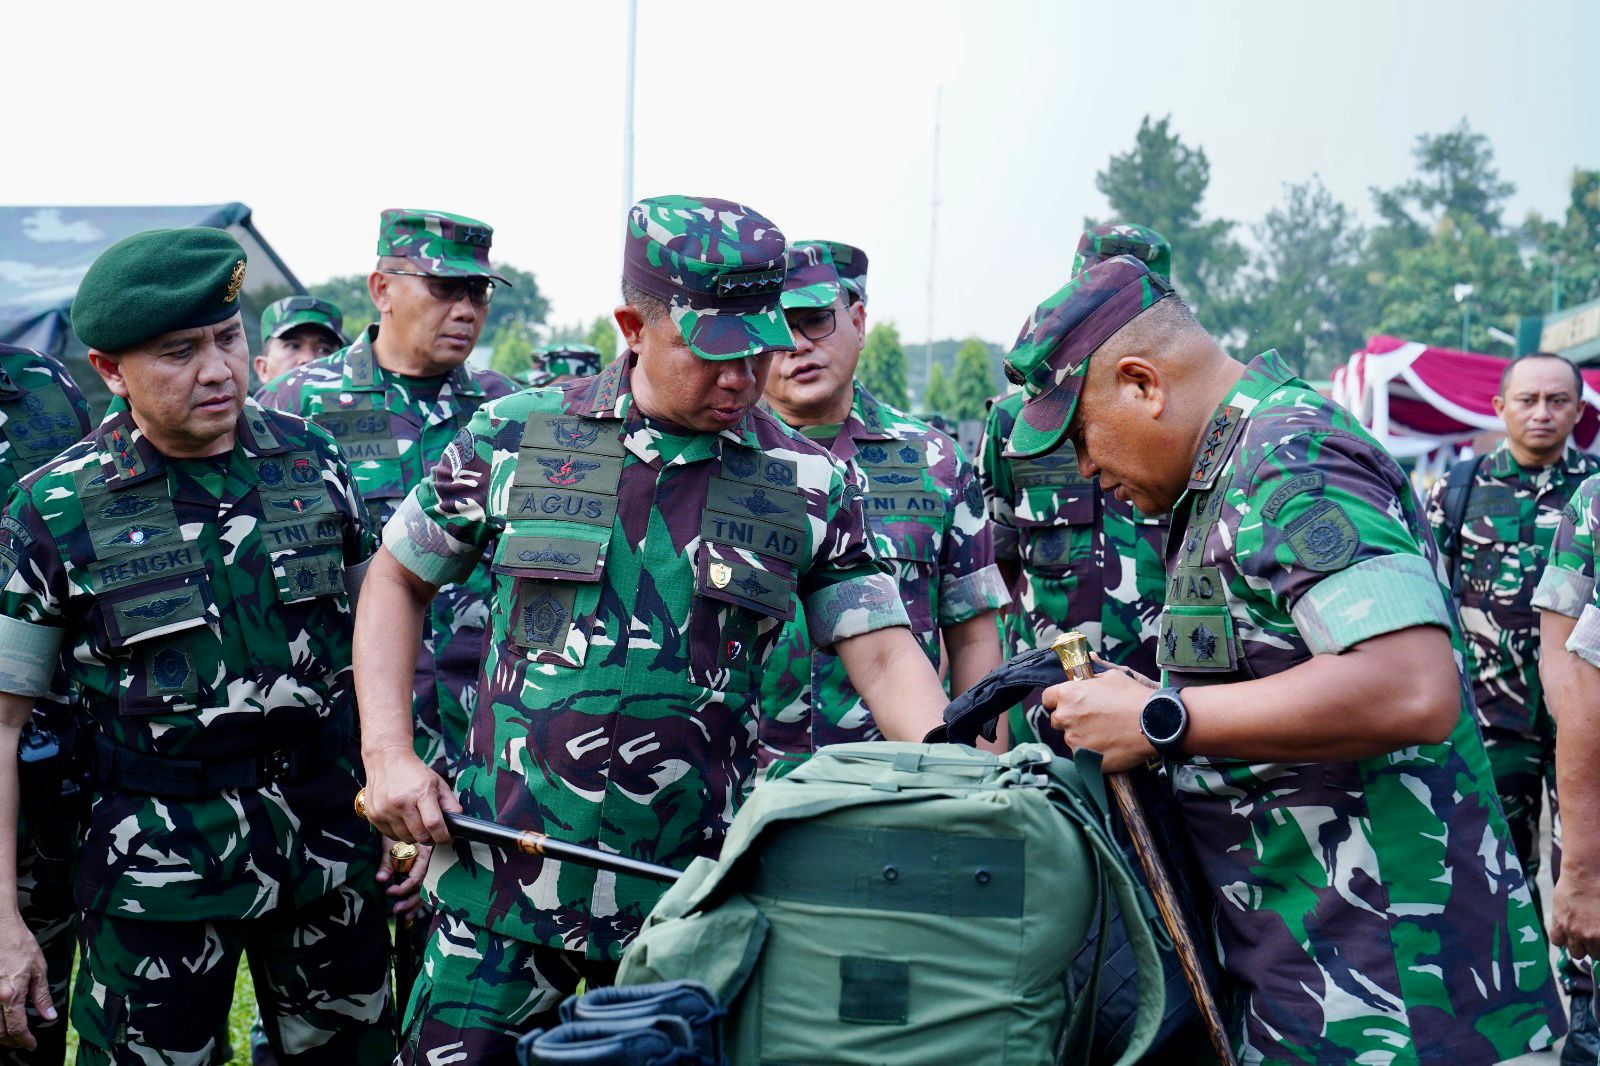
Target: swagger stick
{"points": [[1073, 649], [528, 842]]}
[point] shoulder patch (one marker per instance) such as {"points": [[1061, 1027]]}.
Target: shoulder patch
{"points": [[1295, 486], [1323, 539]]}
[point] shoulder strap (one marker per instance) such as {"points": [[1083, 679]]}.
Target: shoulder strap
{"points": [[1457, 489]]}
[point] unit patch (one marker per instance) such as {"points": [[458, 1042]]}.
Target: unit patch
{"points": [[1323, 538]]}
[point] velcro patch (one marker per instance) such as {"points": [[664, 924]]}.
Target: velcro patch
{"points": [[1324, 538], [1197, 639], [790, 545], [140, 567], [369, 450], [169, 671], [874, 991], [150, 613], [565, 470], [567, 505], [570, 433], [292, 504], [541, 615], [1050, 546], [723, 575], [349, 426], [567, 554], [745, 464], [903, 503], [785, 508], [1195, 586], [301, 533], [309, 574], [1492, 501], [911, 454]]}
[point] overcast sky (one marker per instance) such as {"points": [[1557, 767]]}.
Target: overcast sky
{"points": [[818, 114]]}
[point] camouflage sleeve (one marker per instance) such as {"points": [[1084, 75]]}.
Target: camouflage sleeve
{"points": [[1322, 533], [33, 590], [994, 476], [440, 529], [848, 590], [282, 393], [1567, 584], [969, 581], [1433, 512]]}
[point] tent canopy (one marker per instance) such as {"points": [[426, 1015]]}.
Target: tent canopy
{"points": [[1416, 399], [45, 251]]}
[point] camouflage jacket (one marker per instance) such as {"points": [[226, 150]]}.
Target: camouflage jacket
{"points": [[42, 413], [1505, 538], [925, 509], [1568, 583], [1088, 561], [1371, 909], [200, 607], [641, 578], [392, 437]]}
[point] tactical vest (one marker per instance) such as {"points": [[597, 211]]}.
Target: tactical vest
{"points": [[154, 606], [560, 510], [39, 424]]}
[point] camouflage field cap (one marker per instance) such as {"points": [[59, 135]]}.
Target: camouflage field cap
{"points": [[444, 245], [810, 279], [718, 266], [1100, 243], [1052, 351], [283, 315], [565, 360], [851, 263]]}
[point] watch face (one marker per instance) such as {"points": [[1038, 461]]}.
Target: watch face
{"points": [[1162, 718]]}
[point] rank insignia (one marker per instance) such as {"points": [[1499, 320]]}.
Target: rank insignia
{"points": [[1221, 432]]}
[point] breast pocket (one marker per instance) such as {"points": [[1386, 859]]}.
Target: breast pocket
{"points": [[160, 634], [741, 600], [912, 548], [1053, 523], [554, 595]]}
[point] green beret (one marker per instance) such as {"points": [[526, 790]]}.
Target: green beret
{"points": [[156, 282]]}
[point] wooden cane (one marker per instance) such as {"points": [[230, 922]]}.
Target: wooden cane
{"points": [[1073, 650]]}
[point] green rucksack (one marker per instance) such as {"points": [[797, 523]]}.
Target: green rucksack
{"points": [[905, 903]]}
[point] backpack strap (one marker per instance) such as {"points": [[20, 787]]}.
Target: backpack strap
{"points": [[1457, 490], [1076, 1043], [1086, 806]]}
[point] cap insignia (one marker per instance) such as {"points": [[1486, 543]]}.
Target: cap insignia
{"points": [[750, 282], [235, 283]]}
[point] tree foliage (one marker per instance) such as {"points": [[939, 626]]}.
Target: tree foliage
{"points": [[882, 369], [973, 381], [940, 397], [603, 335]]}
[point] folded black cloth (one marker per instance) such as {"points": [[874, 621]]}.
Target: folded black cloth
{"points": [[689, 1000], [658, 1041], [974, 712]]}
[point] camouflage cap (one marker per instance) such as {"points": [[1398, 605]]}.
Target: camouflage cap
{"points": [[809, 279], [565, 360], [1100, 243], [1052, 351], [444, 245], [283, 315], [718, 266], [851, 263]]}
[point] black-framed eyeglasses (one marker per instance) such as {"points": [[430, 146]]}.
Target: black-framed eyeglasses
{"points": [[815, 324], [449, 290]]}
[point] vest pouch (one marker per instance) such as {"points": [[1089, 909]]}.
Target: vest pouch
{"points": [[740, 599], [555, 592], [164, 642]]}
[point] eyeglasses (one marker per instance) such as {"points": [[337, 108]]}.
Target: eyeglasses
{"points": [[449, 290], [815, 325]]}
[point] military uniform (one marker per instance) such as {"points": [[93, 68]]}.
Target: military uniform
{"points": [[925, 510], [641, 576], [392, 428], [43, 413], [1511, 517], [1366, 910], [201, 608], [558, 362]]}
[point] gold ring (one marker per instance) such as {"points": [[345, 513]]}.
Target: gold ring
{"points": [[361, 805]]}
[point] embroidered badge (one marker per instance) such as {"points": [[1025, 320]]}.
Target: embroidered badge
{"points": [[758, 504], [909, 454], [735, 650], [542, 617], [1323, 538], [574, 434], [721, 574], [568, 471], [739, 462], [1169, 645], [157, 608], [752, 586], [235, 283], [128, 505], [134, 536], [170, 668], [779, 473], [1203, 642], [874, 453], [303, 472], [297, 504], [893, 477], [270, 473], [1295, 486], [547, 556]]}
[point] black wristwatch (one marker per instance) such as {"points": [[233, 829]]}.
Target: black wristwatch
{"points": [[1165, 722]]}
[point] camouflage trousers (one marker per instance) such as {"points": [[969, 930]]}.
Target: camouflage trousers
{"points": [[1524, 768], [479, 991], [44, 895], [159, 992]]}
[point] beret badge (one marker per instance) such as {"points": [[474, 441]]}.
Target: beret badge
{"points": [[235, 283]]}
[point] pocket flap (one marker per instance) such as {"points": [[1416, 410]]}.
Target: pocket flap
{"points": [[746, 579], [549, 556], [157, 609], [906, 539]]}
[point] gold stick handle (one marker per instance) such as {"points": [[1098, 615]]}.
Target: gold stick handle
{"points": [[1073, 650]]}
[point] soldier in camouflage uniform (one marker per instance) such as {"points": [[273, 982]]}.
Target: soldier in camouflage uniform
{"points": [[650, 530], [1317, 722], [922, 503], [393, 400], [43, 413], [297, 330], [555, 363], [1513, 504], [1074, 556], [189, 566], [1569, 666]]}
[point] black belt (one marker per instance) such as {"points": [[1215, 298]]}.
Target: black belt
{"points": [[159, 775]]}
